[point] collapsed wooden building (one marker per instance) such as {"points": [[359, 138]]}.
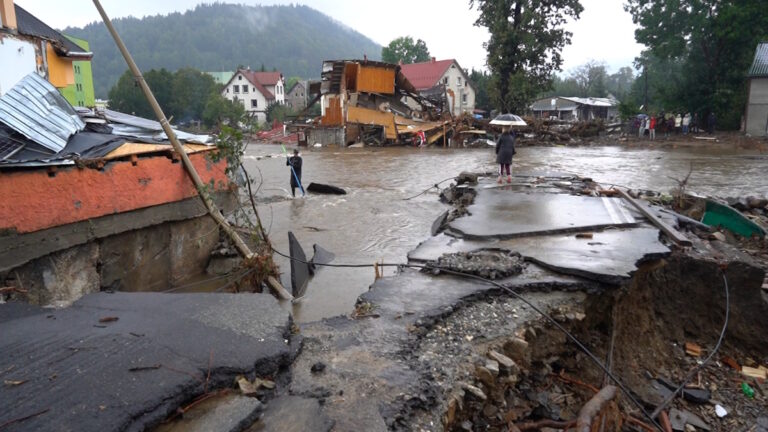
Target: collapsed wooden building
{"points": [[363, 101]]}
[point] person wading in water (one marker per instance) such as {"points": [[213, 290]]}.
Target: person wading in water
{"points": [[505, 149], [295, 163]]}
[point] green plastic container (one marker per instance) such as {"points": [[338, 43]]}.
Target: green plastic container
{"points": [[720, 215]]}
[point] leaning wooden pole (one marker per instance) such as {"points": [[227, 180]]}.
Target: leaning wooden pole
{"points": [[240, 245]]}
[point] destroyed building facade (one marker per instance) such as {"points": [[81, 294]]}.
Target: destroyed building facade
{"points": [[365, 101], [442, 77], [29, 45]]}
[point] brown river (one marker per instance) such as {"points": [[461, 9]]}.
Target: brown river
{"points": [[374, 222]]}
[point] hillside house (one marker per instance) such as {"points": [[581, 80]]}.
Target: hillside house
{"points": [[757, 99], [256, 90], [298, 96], [442, 77], [29, 45], [575, 108]]}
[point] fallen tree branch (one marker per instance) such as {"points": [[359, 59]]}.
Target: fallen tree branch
{"points": [[593, 407], [565, 378]]}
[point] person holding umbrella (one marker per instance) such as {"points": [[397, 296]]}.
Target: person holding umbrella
{"points": [[295, 163], [505, 150]]}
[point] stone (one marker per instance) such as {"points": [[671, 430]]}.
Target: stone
{"points": [[485, 376], [717, 236], [466, 177], [757, 202], [490, 410], [492, 366], [317, 367], [474, 391], [517, 349], [504, 362]]}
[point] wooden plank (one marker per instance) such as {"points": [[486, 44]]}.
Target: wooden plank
{"points": [[129, 149], [672, 233]]}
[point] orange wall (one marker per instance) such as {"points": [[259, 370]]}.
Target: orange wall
{"points": [[60, 71], [376, 80], [32, 200]]}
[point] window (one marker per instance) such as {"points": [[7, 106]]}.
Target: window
{"points": [[235, 89], [458, 80], [254, 103], [253, 89], [245, 89], [239, 77], [445, 80], [464, 98], [227, 90]]}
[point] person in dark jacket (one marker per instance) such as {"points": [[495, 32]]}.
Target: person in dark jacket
{"points": [[295, 162], [505, 149]]}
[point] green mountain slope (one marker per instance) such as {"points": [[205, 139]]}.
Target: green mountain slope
{"points": [[219, 37]]}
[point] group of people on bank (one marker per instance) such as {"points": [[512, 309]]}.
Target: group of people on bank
{"points": [[673, 123]]}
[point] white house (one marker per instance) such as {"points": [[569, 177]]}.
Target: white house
{"points": [[757, 96], [429, 75], [256, 90]]}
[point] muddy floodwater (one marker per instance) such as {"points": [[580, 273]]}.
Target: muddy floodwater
{"points": [[374, 222]]}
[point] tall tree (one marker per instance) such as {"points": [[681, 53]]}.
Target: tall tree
{"points": [[406, 50], [126, 96], [527, 38], [591, 79], [480, 82], [713, 39], [191, 89]]}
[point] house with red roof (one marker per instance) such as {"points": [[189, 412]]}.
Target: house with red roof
{"points": [[256, 91], [430, 77]]}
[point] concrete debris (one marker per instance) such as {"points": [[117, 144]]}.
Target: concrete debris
{"points": [[489, 264]]}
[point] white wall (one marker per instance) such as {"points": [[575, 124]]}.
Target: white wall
{"points": [[757, 107], [17, 58], [247, 98], [458, 84]]}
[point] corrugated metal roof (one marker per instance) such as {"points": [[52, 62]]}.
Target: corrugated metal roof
{"points": [[35, 109], [760, 64]]}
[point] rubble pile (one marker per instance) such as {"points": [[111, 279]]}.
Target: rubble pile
{"points": [[490, 264]]}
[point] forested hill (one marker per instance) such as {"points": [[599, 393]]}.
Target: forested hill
{"points": [[219, 37]]}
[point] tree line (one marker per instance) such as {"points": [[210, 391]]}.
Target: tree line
{"points": [[696, 57], [186, 96]]}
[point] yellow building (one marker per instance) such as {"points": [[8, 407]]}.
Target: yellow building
{"points": [[30, 45]]}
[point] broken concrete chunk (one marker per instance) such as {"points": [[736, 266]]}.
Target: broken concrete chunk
{"points": [[493, 366], [680, 418], [466, 177]]}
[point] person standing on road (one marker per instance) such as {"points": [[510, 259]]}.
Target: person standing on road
{"points": [[652, 128], [505, 150], [295, 163], [711, 120], [686, 123]]}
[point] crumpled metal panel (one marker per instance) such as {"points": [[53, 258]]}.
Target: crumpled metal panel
{"points": [[36, 109], [128, 125]]}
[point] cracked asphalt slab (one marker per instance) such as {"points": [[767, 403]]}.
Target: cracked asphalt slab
{"points": [[125, 361]]}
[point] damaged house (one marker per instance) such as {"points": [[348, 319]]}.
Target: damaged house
{"points": [[444, 79], [363, 101], [29, 45], [575, 108]]}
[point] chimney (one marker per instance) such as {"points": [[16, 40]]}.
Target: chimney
{"points": [[433, 59], [8, 14]]}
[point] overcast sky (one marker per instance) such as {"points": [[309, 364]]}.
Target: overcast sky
{"points": [[604, 33]]}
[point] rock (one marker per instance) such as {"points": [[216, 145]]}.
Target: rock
{"points": [[492, 366], [717, 236], [450, 413], [466, 177], [466, 425], [485, 376], [317, 367], [517, 350], [222, 265], [474, 391], [757, 202], [490, 411], [505, 362], [689, 428]]}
